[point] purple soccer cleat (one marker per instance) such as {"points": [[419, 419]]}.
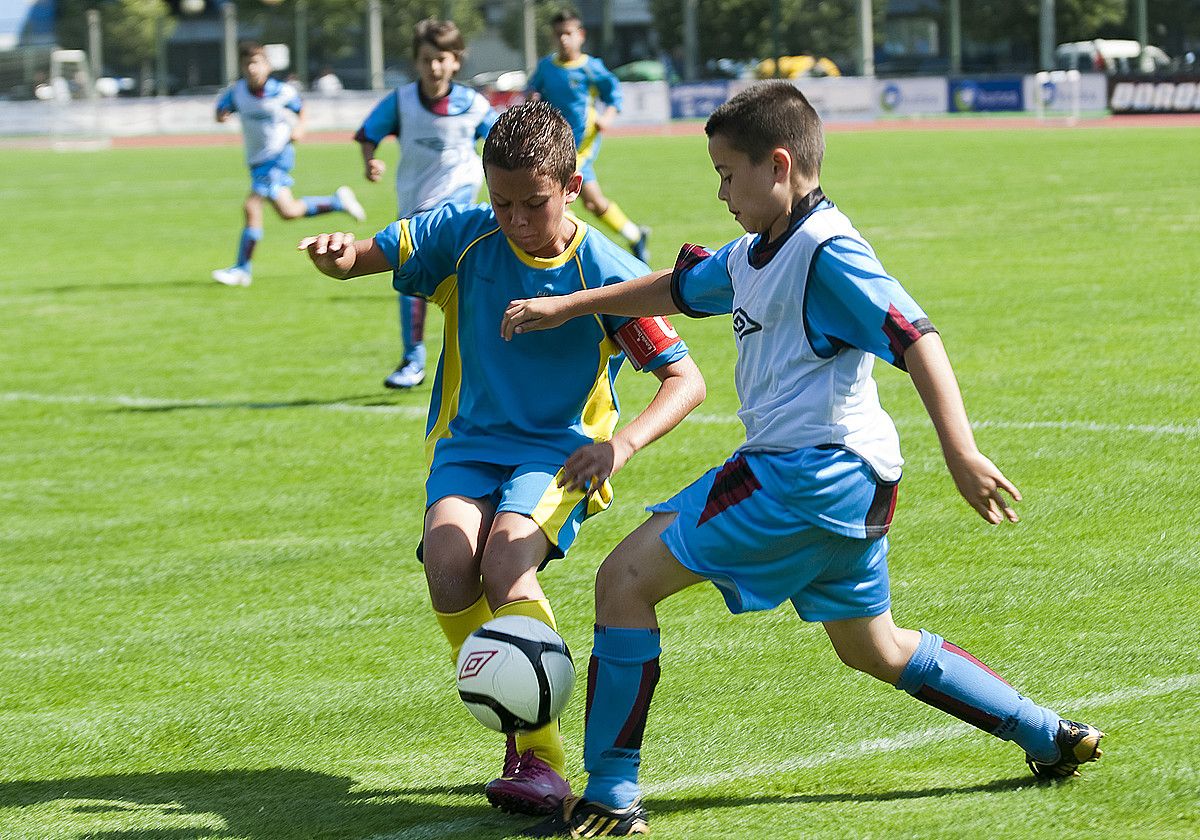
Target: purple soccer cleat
{"points": [[528, 786]]}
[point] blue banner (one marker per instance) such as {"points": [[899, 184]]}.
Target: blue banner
{"points": [[1003, 94], [696, 100]]}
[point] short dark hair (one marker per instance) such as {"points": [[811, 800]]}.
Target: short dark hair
{"points": [[566, 15], [535, 136], [442, 35], [768, 116], [246, 49]]}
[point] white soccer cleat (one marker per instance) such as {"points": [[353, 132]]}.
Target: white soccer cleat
{"points": [[233, 276], [350, 203]]}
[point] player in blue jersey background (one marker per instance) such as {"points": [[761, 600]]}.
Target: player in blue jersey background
{"points": [[589, 96], [436, 122], [272, 118], [801, 510], [521, 436]]}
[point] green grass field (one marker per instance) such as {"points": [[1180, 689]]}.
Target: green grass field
{"points": [[214, 627]]}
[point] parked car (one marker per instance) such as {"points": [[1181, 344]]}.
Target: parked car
{"points": [[1102, 55], [797, 67]]}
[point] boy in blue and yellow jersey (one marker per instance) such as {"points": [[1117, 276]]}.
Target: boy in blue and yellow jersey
{"points": [[521, 436], [801, 510], [272, 118], [589, 96], [436, 122]]}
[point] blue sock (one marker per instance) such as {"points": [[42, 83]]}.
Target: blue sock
{"points": [[621, 678], [412, 329], [315, 205], [250, 237], [948, 678]]}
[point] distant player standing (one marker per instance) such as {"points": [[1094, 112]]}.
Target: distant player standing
{"points": [[589, 96], [436, 122], [272, 118], [521, 437], [801, 510]]}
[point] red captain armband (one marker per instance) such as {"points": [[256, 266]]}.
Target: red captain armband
{"points": [[644, 338]]}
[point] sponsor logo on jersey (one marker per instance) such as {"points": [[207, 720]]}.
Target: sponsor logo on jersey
{"points": [[743, 324]]}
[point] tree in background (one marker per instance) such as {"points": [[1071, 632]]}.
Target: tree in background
{"points": [[130, 30], [1018, 20], [741, 29]]}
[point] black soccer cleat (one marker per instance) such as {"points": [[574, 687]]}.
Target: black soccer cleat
{"points": [[1078, 743], [578, 817]]}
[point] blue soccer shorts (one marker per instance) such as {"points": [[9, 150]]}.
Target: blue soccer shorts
{"points": [[738, 526], [271, 176], [585, 158], [529, 489]]}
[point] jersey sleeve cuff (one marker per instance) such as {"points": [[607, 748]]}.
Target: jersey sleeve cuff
{"points": [[689, 257], [902, 333]]}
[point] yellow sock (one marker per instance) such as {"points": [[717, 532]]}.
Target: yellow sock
{"points": [[546, 742], [458, 625], [614, 219]]}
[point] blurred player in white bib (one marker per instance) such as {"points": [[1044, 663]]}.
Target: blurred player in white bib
{"points": [[436, 122], [272, 118]]}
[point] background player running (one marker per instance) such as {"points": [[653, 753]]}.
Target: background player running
{"points": [[436, 122], [272, 117], [589, 96]]}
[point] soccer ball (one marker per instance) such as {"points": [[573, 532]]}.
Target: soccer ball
{"points": [[515, 673]]}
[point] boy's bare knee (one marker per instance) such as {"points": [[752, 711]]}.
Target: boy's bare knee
{"points": [[620, 581]]}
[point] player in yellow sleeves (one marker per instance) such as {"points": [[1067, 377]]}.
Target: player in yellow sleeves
{"points": [[521, 436], [589, 96]]}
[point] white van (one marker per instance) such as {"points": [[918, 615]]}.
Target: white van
{"points": [[1106, 56]]}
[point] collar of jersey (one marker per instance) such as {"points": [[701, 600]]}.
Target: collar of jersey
{"points": [[574, 64], [557, 261], [761, 251]]}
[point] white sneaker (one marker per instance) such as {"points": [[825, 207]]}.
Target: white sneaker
{"points": [[408, 375], [233, 276], [350, 203]]}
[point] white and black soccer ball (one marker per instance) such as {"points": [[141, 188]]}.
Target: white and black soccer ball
{"points": [[515, 673]]}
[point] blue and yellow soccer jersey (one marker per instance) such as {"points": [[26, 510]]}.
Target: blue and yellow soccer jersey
{"points": [[542, 395], [573, 87]]}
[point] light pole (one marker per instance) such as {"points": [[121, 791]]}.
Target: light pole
{"points": [[230, 27], [301, 63]]}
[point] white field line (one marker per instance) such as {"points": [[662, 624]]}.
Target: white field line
{"points": [[871, 746], [122, 401]]}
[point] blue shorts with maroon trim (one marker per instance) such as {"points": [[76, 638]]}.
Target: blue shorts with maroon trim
{"points": [[807, 526]]}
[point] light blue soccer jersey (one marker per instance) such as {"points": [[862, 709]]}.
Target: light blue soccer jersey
{"points": [[810, 311], [573, 87], [542, 395], [437, 138], [266, 115]]}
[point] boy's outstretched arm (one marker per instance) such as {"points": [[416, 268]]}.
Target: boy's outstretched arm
{"points": [[341, 257], [637, 298], [681, 389], [977, 478]]}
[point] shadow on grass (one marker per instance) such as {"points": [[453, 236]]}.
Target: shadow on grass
{"points": [[270, 804], [375, 400], [673, 805], [123, 287], [291, 804]]}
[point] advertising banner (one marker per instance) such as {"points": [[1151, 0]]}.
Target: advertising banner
{"points": [[1056, 95], [909, 97], [696, 100], [645, 103], [1164, 95], [991, 94]]}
